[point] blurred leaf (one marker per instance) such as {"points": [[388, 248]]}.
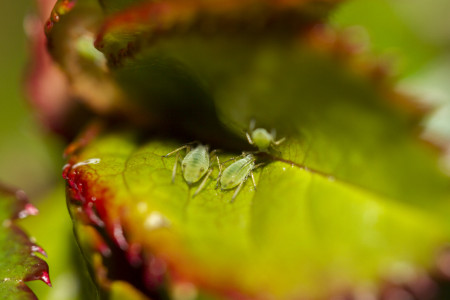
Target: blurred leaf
{"points": [[54, 229], [18, 262], [393, 37]]}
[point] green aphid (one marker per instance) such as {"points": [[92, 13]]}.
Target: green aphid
{"points": [[195, 164], [261, 138], [237, 173]]}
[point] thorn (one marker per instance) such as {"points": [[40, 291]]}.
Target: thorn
{"points": [[29, 210], [36, 248], [46, 278]]}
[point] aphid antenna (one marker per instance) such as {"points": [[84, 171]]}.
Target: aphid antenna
{"points": [[236, 157], [231, 159], [249, 138], [273, 133], [215, 151], [252, 125]]}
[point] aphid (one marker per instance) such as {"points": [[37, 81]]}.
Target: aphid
{"points": [[237, 173], [261, 138], [195, 164]]}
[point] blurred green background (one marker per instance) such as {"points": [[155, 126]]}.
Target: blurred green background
{"points": [[29, 157], [414, 35]]}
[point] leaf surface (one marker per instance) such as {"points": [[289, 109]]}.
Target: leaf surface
{"points": [[318, 234]]}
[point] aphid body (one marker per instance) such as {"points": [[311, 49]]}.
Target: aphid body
{"points": [[195, 164], [261, 138], [237, 172]]}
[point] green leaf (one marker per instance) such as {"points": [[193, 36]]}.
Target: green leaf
{"points": [[319, 234], [18, 262], [353, 199]]}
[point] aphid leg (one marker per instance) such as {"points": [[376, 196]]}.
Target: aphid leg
{"points": [[237, 190], [203, 183], [174, 172], [213, 153], [220, 172], [217, 159], [218, 178], [253, 180], [219, 165], [162, 159]]}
